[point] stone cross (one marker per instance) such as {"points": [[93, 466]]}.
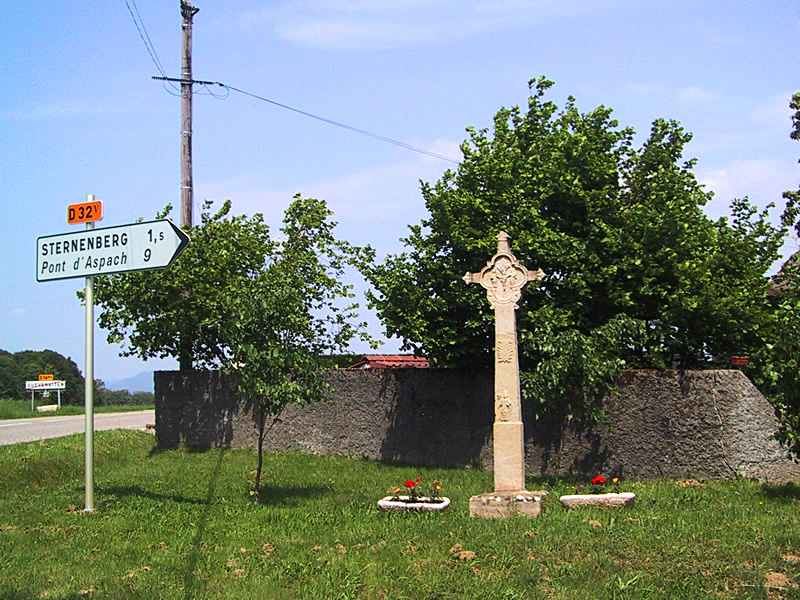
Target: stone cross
{"points": [[503, 277]]}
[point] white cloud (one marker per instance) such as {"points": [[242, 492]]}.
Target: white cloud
{"points": [[403, 23], [697, 94], [446, 148], [645, 88], [372, 206], [355, 33], [762, 180], [774, 110], [382, 6], [49, 111]]}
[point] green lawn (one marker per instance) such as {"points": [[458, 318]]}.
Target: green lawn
{"points": [[21, 409], [179, 524]]}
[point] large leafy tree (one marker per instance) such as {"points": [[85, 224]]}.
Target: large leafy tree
{"points": [[636, 273], [777, 369], [26, 365], [179, 311], [292, 314]]}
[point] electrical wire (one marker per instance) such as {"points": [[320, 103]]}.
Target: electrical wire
{"points": [[172, 89], [376, 136], [148, 44]]}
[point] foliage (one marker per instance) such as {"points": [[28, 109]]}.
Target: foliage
{"points": [[290, 314], [172, 525], [27, 365], [636, 274], [106, 397], [181, 310], [779, 378]]}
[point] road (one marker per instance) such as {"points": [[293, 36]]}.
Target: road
{"points": [[14, 431]]}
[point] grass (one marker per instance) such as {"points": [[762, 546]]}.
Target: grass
{"points": [[179, 524], [21, 409]]}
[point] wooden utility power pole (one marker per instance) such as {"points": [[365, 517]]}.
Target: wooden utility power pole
{"points": [[187, 194]]}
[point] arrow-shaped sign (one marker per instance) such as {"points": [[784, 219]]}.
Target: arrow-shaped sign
{"points": [[134, 247]]}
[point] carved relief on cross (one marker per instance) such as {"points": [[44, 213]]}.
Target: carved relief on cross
{"points": [[503, 276]]}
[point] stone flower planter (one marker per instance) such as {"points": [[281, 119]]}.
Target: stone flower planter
{"points": [[409, 503], [612, 500]]}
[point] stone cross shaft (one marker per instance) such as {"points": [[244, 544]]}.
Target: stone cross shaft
{"points": [[503, 277]]}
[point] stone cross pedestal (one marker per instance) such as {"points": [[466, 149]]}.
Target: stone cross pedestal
{"points": [[503, 277]]}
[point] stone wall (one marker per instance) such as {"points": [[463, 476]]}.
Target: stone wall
{"points": [[703, 424]]}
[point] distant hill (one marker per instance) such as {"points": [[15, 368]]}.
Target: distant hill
{"points": [[143, 382]]}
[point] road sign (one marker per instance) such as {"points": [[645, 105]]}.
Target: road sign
{"points": [[46, 385], [46, 377], [86, 212], [134, 247]]}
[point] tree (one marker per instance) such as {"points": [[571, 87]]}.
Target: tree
{"points": [[263, 309], [291, 314], [10, 379], [154, 313], [779, 378], [31, 363], [636, 273]]}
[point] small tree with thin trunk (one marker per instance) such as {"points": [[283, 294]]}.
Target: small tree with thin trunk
{"points": [[294, 312]]}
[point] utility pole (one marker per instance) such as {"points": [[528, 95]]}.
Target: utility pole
{"points": [[187, 196], [187, 12]]}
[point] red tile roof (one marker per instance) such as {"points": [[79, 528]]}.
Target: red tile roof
{"points": [[391, 361]]}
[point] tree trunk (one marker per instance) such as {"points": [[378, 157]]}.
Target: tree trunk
{"points": [[262, 417], [185, 353]]}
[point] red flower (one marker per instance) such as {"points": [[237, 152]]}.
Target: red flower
{"points": [[417, 480], [599, 480], [409, 484]]}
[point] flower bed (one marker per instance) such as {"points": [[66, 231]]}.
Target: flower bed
{"points": [[416, 499]]}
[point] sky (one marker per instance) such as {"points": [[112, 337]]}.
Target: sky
{"points": [[81, 114]]}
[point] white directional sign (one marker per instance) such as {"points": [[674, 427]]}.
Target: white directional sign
{"points": [[58, 384], [134, 247]]}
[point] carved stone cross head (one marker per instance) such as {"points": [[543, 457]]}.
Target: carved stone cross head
{"points": [[503, 276]]}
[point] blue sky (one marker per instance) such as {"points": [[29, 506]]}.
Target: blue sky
{"points": [[81, 115]]}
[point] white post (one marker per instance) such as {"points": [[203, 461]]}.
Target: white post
{"points": [[89, 386]]}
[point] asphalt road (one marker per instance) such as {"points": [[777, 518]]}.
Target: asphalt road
{"points": [[14, 431]]}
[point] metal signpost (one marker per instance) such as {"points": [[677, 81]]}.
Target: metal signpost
{"points": [[135, 247]]}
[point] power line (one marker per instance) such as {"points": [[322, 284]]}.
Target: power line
{"points": [[148, 43], [376, 136], [133, 9]]}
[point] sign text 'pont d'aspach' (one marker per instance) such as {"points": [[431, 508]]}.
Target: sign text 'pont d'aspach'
{"points": [[135, 247]]}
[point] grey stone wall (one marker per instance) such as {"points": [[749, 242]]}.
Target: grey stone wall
{"points": [[703, 424]]}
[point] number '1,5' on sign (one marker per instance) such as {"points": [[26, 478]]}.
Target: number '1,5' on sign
{"points": [[86, 212]]}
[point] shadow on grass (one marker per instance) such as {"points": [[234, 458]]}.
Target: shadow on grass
{"points": [[190, 583], [289, 496], [195, 449], [139, 492], [787, 491]]}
